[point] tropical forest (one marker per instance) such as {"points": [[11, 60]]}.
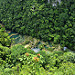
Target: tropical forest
{"points": [[37, 37]]}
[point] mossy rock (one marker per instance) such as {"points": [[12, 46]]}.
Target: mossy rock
{"points": [[30, 38], [47, 43], [26, 42], [53, 47], [50, 49], [53, 44]]}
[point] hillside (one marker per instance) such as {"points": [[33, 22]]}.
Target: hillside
{"points": [[33, 34], [18, 60], [41, 20]]}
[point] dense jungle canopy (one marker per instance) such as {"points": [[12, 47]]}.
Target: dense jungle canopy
{"points": [[47, 20], [40, 19]]}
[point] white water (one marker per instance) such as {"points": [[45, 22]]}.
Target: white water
{"points": [[54, 3], [36, 50]]}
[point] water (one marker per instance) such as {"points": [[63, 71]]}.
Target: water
{"points": [[55, 2], [65, 48], [19, 38], [45, 46], [36, 50], [14, 36]]}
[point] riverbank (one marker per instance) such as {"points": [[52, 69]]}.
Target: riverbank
{"points": [[31, 43]]}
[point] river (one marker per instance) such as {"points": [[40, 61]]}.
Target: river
{"points": [[20, 39]]}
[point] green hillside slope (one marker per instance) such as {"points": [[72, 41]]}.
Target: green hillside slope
{"points": [[41, 20]]}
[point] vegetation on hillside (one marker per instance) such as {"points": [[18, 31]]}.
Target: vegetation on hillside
{"points": [[18, 60], [22, 61], [41, 20], [4, 38]]}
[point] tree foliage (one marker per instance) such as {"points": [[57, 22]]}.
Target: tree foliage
{"points": [[39, 19], [4, 38], [19, 61]]}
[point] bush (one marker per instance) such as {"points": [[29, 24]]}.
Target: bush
{"points": [[66, 69], [4, 38]]}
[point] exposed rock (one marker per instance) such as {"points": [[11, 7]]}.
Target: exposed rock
{"points": [[12, 34], [58, 48], [26, 46]]}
